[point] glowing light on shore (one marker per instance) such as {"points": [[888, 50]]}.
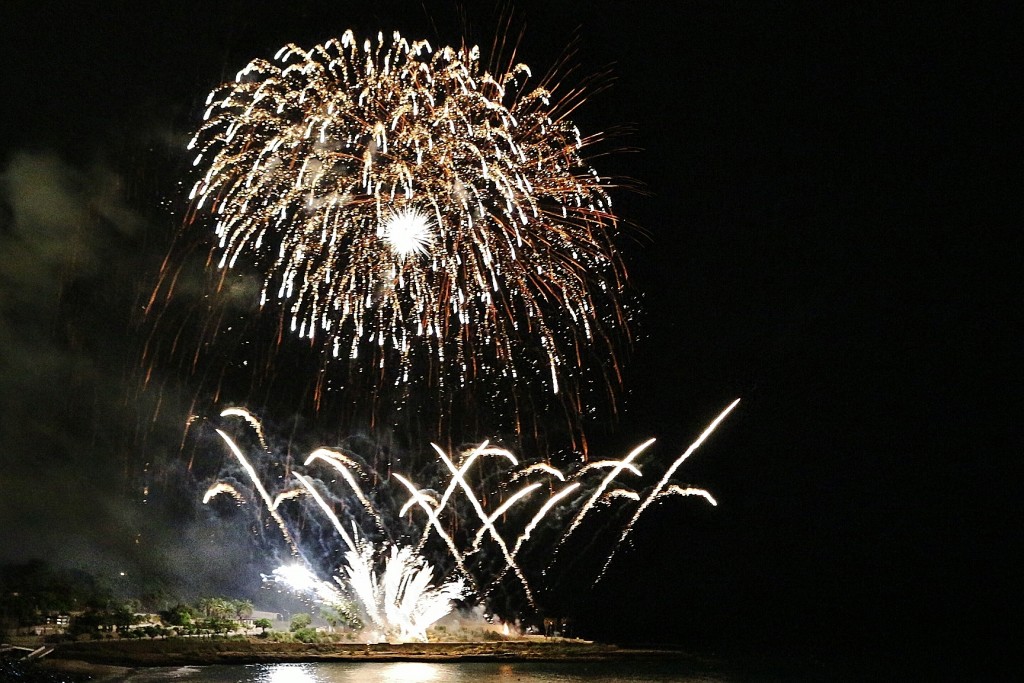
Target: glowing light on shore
{"points": [[290, 673], [410, 672], [401, 601]]}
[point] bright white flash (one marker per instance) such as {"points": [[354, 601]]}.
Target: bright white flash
{"points": [[408, 232], [296, 577]]}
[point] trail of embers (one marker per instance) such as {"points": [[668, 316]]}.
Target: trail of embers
{"points": [[488, 499]]}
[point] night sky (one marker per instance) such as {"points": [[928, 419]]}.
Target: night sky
{"points": [[823, 232]]}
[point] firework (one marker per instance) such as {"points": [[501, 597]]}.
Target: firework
{"points": [[402, 600], [659, 488], [484, 498], [408, 207]]}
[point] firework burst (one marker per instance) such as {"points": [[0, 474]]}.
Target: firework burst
{"points": [[407, 207], [478, 518]]}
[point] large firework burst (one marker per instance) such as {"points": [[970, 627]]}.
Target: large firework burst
{"points": [[406, 204]]}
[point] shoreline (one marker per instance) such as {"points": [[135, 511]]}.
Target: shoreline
{"points": [[115, 657]]}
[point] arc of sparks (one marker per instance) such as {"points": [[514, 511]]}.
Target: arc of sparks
{"points": [[605, 483], [434, 506], [251, 419], [327, 510], [262, 491], [413, 501], [538, 467], [525, 536], [621, 493], [609, 464], [480, 450], [489, 523], [433, 522], [223, 487], [340, 462], [287, 495], [457, 476], [656, 492], [676, 490]]}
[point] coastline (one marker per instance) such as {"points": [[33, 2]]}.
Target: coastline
{"points": [[114, 657]]}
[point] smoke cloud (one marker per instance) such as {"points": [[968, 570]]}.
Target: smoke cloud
{"points": [[78, 450]]}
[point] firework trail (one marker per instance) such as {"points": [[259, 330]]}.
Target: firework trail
{"points": [[434, 523], [616, 468], [660, 486], [327, 510], [341, 463], [525, 536], [271, 507], [407, 205], [474, 517], [538, 467], [223, 487], [502, 509], [459, 473], [458, 477], [251, 419]]}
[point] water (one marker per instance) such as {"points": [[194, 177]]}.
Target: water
{"points": [[428, 672]]}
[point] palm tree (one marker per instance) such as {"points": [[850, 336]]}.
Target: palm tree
{"points": [[243, 608]]}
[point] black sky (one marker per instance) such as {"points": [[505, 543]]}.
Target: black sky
{"points": [[827, 237]]}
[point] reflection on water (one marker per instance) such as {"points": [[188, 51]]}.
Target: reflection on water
{"points": [[410, 672], [288, 673], [397, 672], [422, 672]]}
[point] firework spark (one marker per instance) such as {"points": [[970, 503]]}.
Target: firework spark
{"points": [[271, 506], [408, 203], [223, 487], [473, 510], [407, 232], [402, 600], [659, 488], [616, 468], [341, 463]]}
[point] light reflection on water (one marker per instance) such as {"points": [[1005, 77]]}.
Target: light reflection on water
{"points": [[424, 672]]}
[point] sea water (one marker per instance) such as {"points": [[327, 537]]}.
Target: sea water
{"points": [[429, 672]]}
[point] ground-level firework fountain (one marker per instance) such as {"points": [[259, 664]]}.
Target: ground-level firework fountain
{"points": [[409, 552]]}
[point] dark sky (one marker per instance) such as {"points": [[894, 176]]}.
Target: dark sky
{"points": [[827, 237]]}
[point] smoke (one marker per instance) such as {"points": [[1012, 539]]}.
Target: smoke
{"points": [[60, 367], [77, 446]]}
